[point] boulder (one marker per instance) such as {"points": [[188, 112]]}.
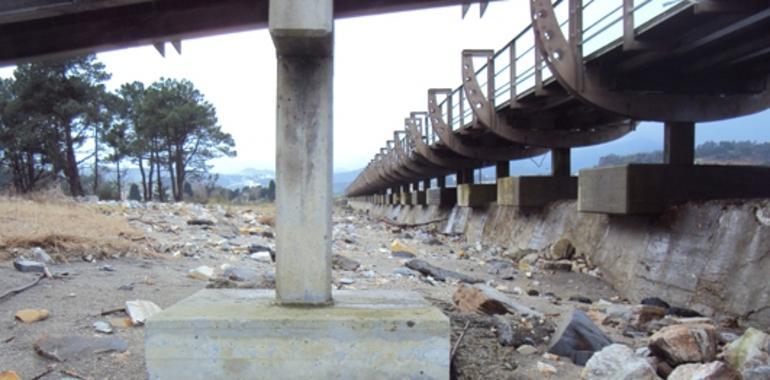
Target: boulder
{"points": [[201, 273], [709, 371], [140, 310], [685, 343], [27, 266], [749, 354], [562, 249], [577, 338], [643, 314], [340, 262], [618, 362]]}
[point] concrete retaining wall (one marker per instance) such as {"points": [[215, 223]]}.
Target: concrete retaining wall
{"points": [[709, 256]]}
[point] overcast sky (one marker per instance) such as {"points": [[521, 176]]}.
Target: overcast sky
{"points": [[384, 66]]}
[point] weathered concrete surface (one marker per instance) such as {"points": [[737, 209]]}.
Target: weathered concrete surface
{"points": [[406, 198], [710, 256], [443, 197], [650, 188], [535, 191], [418, 198], [470, 195], [243, 334]]}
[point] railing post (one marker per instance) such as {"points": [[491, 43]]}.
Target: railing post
{"points": [[512, 67], [576, 38]]}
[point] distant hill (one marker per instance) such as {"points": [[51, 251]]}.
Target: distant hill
{"points": [[723, 152]]}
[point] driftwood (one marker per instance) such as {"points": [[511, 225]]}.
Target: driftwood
{"points": [[487, 300], [459, 339], [21, 288], [439, 274]]}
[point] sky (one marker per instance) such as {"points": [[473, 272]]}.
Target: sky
{"points": [[384, 66]]}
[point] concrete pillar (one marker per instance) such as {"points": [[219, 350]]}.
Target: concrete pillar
{"points": [[441, 182], [303, 34], [503, 169], [426, 184], [416, 186], [561, 162], [465, 176], [679, 143]]}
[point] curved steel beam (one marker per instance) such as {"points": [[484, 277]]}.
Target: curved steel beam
{"points": [[584, 84]]}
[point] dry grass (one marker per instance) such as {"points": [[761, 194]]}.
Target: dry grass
{"points": [[64, 228]]}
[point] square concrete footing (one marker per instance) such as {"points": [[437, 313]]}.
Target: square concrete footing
{"points": [[535, 191], [243, 334], [406, 198], [442, 197], [650, 188], [418, 198], [480, 195]]}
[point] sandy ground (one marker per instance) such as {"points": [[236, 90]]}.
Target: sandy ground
{"points": [[77, 300]]}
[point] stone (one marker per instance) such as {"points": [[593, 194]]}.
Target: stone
{"points": [[530, 259], [29, 266], [241, 274], [340, 262], [683, 312], [121, 322], [201, 273], [485, 299], [107, 268], [439, 274], [497, 266], [32, 315], [404, 272], [140, 310], [618, 362], [233, 333], [262, 256], [577, 338], [397, 246], [546, 369], [526, 349], [558, 265], [41, 255], [72, 347], [643, 314], [346, 281], [581, 299], [685, 343], [562, 249], [9, 375], [518, 254], [200, 222], [655, 301], [403, 255], [102, 327], [709, 371], [749, 354]]}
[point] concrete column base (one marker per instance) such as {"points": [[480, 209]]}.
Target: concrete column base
{"points": [[406, 198], [243, 334], [535, 191], [650, 188], [441, 197], [480, 195], [418, 198]]}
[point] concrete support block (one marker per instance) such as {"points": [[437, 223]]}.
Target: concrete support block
{"points": [[244, 334], [650, 188], [442, 197], [535, 191], [418, 198], [469, 195], [405, 198]]}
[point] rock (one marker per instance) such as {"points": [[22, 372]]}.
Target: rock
{"points": [[200, 222], [403, 255], [561, 250], [439, 274], [262, 256], [32, 315], [41, 255], [581, 299], [643, 314], [121, 322], [404, 272], [107, 268], [140, 310], [529, 259], [504, 330], [682, 312], [618, 362], [88, 258], [655, 301], [397, 247], [9, 375], [496, 266], [485, 299], [340, 262], [685, 343], [546, 369], [241, 274], [201, 273], [102, 327], [709, 371], [70, 347], [749, 354], [346, 281], [558, 265], [29, 266], [519, 254], [533, 292], [577, 338], [526, 349]]}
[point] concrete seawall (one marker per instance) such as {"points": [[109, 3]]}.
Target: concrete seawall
{"points": [[709, 256]]}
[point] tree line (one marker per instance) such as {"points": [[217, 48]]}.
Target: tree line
{"points": [[746, 152], [57, 117]]}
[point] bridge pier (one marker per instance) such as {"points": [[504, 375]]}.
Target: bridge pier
{"points": [[470, 194], [440, 195], [297, 331], [538, 191], [651, 188]]}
